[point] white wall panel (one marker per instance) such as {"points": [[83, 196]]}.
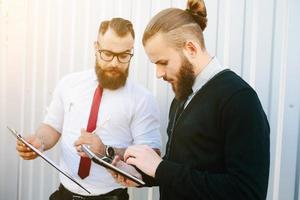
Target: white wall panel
{"points": [[41, 41]]}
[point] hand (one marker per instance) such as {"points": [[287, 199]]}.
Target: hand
{"points": [[95, 143], [143, 157], [25, 152], [125, 167]]}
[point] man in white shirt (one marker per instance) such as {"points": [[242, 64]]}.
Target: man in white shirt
{"points": [[127, 114]]}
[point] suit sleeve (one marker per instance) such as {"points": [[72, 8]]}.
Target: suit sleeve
{"points": [[246, 152]]}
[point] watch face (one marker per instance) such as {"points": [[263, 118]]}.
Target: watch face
{"points": [[110, 152]]}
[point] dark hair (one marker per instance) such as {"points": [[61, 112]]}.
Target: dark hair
{"points": [[179, 25], [121, 26]]}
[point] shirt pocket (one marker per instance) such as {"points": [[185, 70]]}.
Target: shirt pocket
{"points": [[75, 116]]}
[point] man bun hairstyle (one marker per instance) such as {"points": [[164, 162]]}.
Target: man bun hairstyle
{"points": [[198, 11], [177, 25], [119, 25]]}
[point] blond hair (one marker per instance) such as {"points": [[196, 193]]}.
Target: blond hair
{"points": [[179, 25], [119, 25]]}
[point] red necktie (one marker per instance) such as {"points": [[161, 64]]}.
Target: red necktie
{"points": [[85, 163]]}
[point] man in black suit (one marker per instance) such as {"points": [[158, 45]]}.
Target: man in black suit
{"points": [[218, 145]]}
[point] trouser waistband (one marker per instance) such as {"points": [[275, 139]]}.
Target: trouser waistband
{"points": [[65, 194]]}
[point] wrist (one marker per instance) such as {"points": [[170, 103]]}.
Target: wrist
{"points": [[156, 165]]}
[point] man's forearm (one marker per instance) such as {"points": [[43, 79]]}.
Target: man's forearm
{"points": [[48, 136]]}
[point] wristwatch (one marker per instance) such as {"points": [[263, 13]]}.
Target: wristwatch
{"points": [[109, 152]]}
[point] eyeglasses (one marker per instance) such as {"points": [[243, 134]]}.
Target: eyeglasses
{"points": [[108, 56]]}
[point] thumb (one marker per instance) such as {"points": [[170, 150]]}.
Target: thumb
{"points": [[131, 161], [116, 160], [34, 141], [83, 131]]}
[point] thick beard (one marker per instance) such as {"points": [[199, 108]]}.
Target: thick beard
{"points": [[185, 80], [111, 82]]}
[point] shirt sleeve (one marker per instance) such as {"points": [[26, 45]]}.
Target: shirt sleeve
{"points": [[145, 123], [247, 157], [55, 111]]}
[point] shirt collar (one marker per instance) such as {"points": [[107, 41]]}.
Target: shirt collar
{"points": [[207, 73]]}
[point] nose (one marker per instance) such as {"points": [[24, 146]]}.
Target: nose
{"points": [[114, 62], [160, 72]]}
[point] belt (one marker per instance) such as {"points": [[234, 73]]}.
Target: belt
{"points": [[117, 194]]}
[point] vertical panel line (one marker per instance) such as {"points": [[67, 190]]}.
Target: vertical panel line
{"points": [[34, 82], [59, 19], [244, 38], [86, 35], [150, 194], [45, 83], [72, 41], [217, 28], [280, 120], [254, 31], [227, 32], [272, 54], [3, 66], [296, 193], [59, 39], [22, 100]]}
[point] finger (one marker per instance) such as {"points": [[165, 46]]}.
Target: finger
{"points": [[133, 151], [23, 149], [130, 183], [132, 161], [29, 157], [120, 179], [79, 141], [78, 148], [27, 154], [83, 139], [20, 143], [82, 154], [113, 174], [130, 153]]}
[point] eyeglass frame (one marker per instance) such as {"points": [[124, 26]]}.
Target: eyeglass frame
{"points": [[114, 55]]}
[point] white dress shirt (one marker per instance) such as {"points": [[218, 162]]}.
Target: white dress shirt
{"points": [[127, 116]]}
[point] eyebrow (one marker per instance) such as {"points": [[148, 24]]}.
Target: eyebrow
{"points": [[126, 51], [160, 61]]}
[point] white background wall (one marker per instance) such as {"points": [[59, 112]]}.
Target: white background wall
{"points": [[42, 40]]}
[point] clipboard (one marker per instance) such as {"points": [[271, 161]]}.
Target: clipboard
{"points": [[106, 162], [20, 138]]}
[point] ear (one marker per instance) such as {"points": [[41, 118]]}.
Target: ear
{"points": [[190, 49], [96, 46]]}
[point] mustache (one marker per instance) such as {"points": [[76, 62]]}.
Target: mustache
{"points": [[167, 79], [111, 69]]}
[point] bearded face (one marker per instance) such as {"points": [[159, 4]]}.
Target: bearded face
{"points": [[111, 77], [185, 80]]}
